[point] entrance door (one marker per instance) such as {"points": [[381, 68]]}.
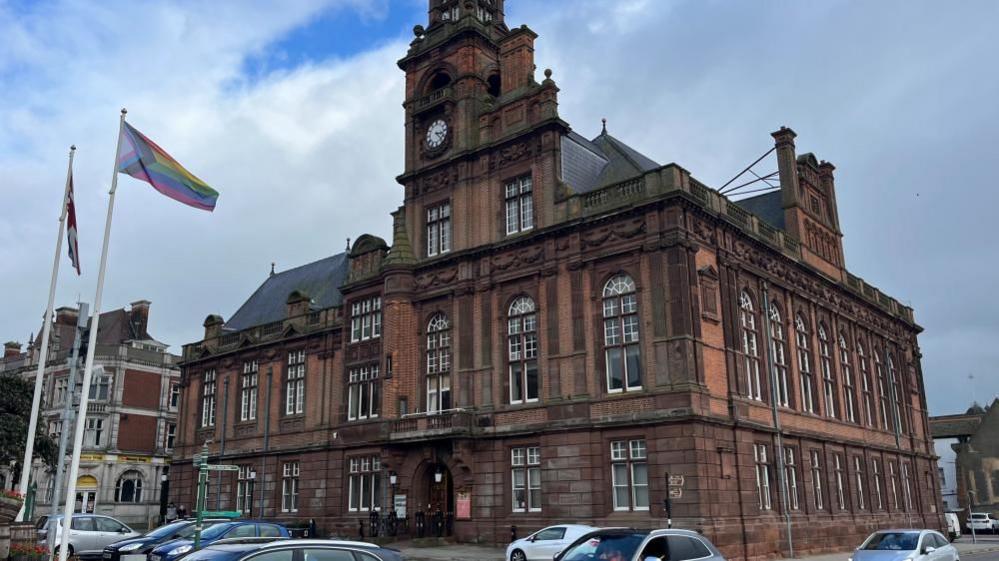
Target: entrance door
{"points": [[441, 495], [86, 500]]}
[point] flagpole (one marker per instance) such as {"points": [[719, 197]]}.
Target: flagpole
{"points": [[74, 466], [29, 447]]}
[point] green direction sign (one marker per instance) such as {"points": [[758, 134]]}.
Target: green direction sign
{"points": [[222, 467], [222, 514]]}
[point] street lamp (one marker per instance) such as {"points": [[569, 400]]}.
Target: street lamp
{"points": [[164, 491]]}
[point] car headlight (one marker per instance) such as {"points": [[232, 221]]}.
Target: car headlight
{"points": [[134, 546], [185, 548]]}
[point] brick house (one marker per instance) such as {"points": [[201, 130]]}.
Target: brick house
{"points": [[131, 420], [563, 329]]}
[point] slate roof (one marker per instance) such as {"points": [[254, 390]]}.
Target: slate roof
{"points": [[767, 207], [952, 426], [592, 164], [319, 280], [115, 328]]}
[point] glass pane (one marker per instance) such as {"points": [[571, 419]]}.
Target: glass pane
{"points": [[324, 554], [615, 369], [634, 366], [532, 380], [516, 384]]}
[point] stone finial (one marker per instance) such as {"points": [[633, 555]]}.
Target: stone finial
{"points": [[401, 252], [272, 268], [604, 122]]}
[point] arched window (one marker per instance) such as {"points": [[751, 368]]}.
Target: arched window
{"points": [[896, 395], [129, 488], [438, 364], [849, 388], [522, 350], [828, 381], [879, 371], [801, 339], [750, 349], [621, 352], [865, 384], [441, 79], [778, 350]]}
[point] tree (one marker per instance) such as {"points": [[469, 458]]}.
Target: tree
{"points": [[15, 410]]}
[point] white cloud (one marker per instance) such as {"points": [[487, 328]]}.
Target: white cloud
{"points": [[303, 158]]}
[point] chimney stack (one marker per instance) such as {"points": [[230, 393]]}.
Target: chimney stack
{"points": [[787, 166], [67, 316], [11, 349], [139, 316], [517, 60]]}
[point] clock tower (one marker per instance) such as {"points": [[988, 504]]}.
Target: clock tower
{"points": [[475, 123]]}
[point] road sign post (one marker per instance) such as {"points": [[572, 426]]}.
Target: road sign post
{"points": [[199, 506]]}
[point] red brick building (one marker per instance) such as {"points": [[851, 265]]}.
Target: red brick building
{"points": [[565, 330]]}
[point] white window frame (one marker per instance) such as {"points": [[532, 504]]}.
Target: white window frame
{"points": [[858, 469], [849, 386], [525, 465], [866, 386], [791, 476], [248, 391], [802, 341], [828, 380], [363, 393], [364, 477], [295, 384], [762, 463], [244, 488], [94, 432], [438, 363], [366, 319], [622, 330], [174, 397], [750, 347], [633, 455], [876, 466], [209, 386], [522, 350], [438, 229], [170, 436], [778, 352], [289, 486], [840, 491], [906, 488], [519, 205], [817, 480]]}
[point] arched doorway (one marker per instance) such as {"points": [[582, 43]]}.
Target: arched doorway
{"points": [[433, 488], [86, 493]]}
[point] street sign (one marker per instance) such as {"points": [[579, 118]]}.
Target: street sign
{"points": [[675, 492], [676, 481], [222, 514], [222, 467]]}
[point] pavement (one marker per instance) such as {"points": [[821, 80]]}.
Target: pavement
{"points": [[463, 552]]}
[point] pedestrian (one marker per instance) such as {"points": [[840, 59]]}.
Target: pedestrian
{"points": [[182, 512], [171, 513]]}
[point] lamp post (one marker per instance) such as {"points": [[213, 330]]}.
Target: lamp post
{"points": [[164, 491]]}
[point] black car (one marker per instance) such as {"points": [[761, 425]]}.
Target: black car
{"points": [[140, 546], [295, 550]]}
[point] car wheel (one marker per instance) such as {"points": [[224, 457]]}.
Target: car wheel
{"points": [[518, 555], [69, 552]]}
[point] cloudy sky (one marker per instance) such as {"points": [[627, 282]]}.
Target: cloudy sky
{"points": [[292, 111]]}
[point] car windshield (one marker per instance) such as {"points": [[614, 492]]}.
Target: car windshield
{"points": [[982, 516], [168, 530], [613, 547], [216, 531], [893, 541]]}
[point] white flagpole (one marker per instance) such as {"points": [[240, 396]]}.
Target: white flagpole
{"points": [[74, 465], [29, 446]]}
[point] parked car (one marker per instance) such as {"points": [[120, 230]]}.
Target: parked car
{"points": [[545, 543], [953, 525], [297, 550], [172, 550], [898, 545], [629, 544], [135, 549], [983, 522], [88, 534]]}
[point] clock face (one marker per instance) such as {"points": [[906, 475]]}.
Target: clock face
{"points": [[436, 134]]}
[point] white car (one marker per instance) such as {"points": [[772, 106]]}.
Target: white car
{"points": [[982, 522], [545, 543]]}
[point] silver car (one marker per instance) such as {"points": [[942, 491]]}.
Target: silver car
{"points": [[629, 544], [906, 545], [88, 534]]}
